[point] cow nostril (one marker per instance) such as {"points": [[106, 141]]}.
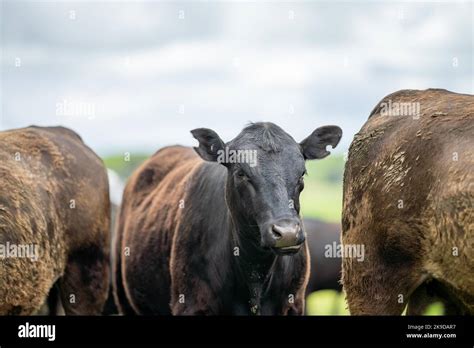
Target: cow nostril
{"points": [[276, 234]]}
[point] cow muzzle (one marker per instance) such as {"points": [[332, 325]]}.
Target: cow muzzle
{"points": [[286, 236]]}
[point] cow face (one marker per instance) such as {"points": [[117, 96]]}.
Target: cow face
{"points": [[266, 167]]}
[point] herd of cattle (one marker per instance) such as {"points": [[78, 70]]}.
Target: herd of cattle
{"points": [[198, 235]]}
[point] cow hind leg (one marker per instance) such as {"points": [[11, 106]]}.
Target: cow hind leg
{"points": [[120, 296], [118, 290], [420, 299], [434, 291], [84, 285]]}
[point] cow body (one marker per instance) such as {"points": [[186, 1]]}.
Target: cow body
{"points": [[408, 198], [325, 271], [190, 240], [181, 246], [54, 196]]}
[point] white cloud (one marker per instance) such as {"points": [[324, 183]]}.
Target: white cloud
{"points": [[226, 64]]}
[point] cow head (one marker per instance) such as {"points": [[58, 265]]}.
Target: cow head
{"points": [[266, 167]]}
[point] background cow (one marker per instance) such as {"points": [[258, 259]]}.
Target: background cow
{"points": [[201, 237], [54, 195], [325, 271], [409, 199]]}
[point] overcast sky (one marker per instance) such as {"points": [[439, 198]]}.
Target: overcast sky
{"points": [[135, 76]]}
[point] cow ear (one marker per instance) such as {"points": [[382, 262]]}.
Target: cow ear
{"points": [[209, 143], [314, 146]]}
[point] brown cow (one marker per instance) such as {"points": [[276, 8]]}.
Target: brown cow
{"points": [[54, 222], [218, 236], [409, 201]]}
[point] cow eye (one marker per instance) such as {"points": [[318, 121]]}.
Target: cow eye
{"points": [[241, 175]]}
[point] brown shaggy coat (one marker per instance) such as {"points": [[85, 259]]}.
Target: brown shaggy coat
{"points": [[54, 196], [409, 200]]}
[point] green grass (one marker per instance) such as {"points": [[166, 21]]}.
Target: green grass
{"points": [[322, 201], [322, 195], [329, 169], [326, 302], [331, 302], [436, 308], [124, 165]]}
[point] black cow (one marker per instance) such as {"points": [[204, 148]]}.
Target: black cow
{"points": [[325, 271], [219, 236]]}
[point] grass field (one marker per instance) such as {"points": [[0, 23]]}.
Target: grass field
{"points": [[322, 195], [123, 164], [331, 302]]}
